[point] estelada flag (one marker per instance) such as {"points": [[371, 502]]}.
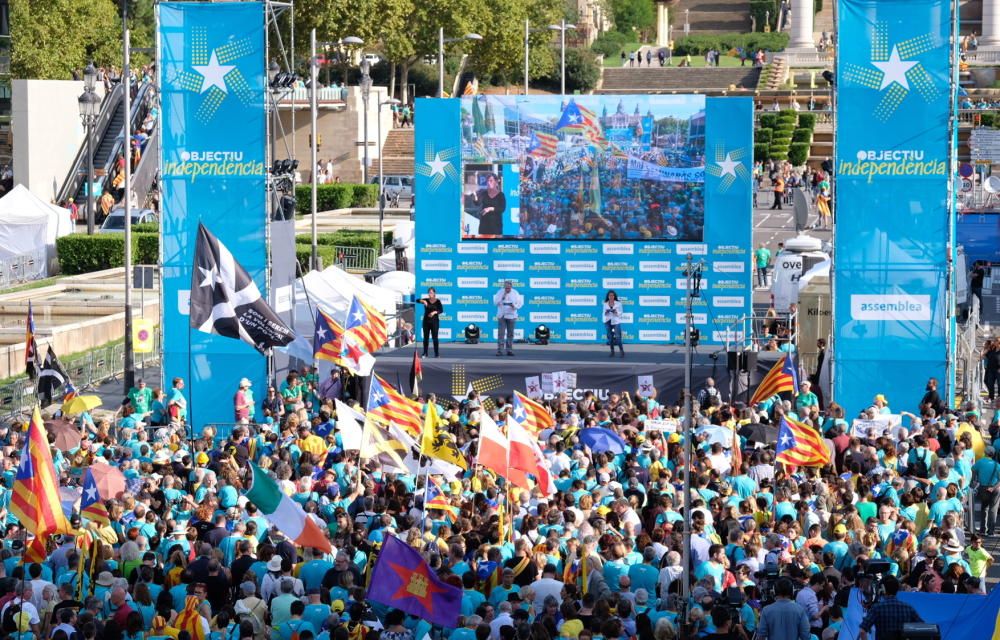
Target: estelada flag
{"points": [[783, 376], [403, 580], [35, 497], [531, 415]]}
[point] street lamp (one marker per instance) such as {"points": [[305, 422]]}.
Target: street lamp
{"points": [[527, 36], [90, 107], [441, 42], [313, 133], [366, 88], [561, 28], [381, 175]]}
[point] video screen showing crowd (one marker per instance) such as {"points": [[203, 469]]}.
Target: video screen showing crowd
{"points": [[587, 168]]}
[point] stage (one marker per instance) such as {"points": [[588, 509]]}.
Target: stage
{"points": [[462, 365]]}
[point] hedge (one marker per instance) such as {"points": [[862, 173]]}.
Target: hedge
{"points": [[303, 253], [610, 44], [779, 157], [760, 151], [348, 238], [798, 153], [802, 135], [342, 195], [807, 120], [146, 227], [723, 42], [80, 253], [763, 135], [768, 120]]}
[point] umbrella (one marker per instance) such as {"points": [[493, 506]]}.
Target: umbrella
{"points": [[760, 432], [66, 434], [79, 404], [110, 481], [599, 440]]}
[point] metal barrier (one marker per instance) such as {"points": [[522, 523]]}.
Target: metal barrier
{"points": [[968, 360], [356, 259], [747, 333], [86, 371], [22, 268]]}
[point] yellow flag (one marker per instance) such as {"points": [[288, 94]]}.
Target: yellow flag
{"points": [[142, 335], [436, 442]]}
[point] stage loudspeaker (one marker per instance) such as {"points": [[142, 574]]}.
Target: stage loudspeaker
{"points": [[741, 360], [920, 631]]}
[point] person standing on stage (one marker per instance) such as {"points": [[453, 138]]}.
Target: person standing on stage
{"points": [[432, 319], [508, 301], [613, 321]]}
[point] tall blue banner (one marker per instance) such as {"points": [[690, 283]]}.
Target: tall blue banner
{"points": [[893, 214], [212, 82], [571, 197]]}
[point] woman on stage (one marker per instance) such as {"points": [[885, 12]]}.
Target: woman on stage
{"points": [[432, 319], [613, 321]]}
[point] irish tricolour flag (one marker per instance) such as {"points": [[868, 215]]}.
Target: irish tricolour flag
{"points": [[284, 513]]}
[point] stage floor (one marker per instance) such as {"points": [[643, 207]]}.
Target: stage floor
{"points": [[477, 365]]}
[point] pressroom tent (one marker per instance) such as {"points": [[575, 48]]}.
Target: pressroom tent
{"points": [[29, 226]]}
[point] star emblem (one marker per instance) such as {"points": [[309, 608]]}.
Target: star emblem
{"points": [[520, 414], [214, 74], [786, 440], [378, 397], [91, 493], [359, 317], [894, 69], [321, 333], [574, 118], [437, 165], [211, 277], [728, 166], [353, 352]]}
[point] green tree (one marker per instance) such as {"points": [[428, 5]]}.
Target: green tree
{"points": [[500, 54], [51, 38], [632, 15]]}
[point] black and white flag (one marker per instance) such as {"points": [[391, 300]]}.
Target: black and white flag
{"points": [[226, 301], [51, 377]]}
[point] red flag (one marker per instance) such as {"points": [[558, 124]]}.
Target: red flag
{"points": [[525, 455], [493, 446], [416, 374]]}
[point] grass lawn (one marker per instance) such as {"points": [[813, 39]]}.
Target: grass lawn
{"points": [[35, 284]]}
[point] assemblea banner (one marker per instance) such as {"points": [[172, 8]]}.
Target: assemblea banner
{"points": [[212, 59], [893, 214]]}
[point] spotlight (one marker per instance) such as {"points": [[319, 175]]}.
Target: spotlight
{"points": [[694, 336], [472, 334], [542, 334]]}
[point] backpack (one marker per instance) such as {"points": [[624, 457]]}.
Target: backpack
{"points": [[295, 631], [918, 468], [8, 624]]}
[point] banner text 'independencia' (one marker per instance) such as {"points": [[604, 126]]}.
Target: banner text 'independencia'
{"points": [[872, 168], [251, 168]]}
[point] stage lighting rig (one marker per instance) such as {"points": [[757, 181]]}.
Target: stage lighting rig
{"points": [[472, 334], [542, 334]]}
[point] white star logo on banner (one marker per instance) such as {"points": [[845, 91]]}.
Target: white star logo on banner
{"points": [[437, 165], [214, 74], [894, 69], [728, 166]]}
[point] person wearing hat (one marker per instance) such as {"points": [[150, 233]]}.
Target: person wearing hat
{"points": [[242, 403], [507, 301]]}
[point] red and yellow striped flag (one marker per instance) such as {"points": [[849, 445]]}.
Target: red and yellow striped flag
{"points": [[35, 497]]}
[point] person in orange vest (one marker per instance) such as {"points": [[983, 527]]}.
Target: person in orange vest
{"points": [[778, 184]]}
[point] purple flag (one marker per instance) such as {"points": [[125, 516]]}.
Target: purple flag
{"points": [[402, 579]]}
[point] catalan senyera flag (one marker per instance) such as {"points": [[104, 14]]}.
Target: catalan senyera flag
{"points": [[327, 338], [800, 445], [386, 405], [531, 415], [35, 497], [92, 504], [783, 376], [367, 325]]}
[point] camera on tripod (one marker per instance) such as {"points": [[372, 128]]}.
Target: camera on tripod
{"points": [[870, 581]]}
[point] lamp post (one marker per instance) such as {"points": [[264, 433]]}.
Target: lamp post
{"points": [[561, 28], [90, 106], [381, 175], [441, 42], [129, 376], [366, 88], [314, 134]]}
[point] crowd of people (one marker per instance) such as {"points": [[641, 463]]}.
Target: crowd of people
{"points": [[775, 550]]}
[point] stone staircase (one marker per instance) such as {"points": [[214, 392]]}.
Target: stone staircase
{"points": [[712, 16], [677, 79], [397, 152]]}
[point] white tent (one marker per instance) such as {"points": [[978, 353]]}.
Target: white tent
{"points": [[30, 226], [332, 290]]}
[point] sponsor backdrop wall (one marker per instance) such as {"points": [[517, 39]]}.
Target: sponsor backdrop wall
{"points": [[690, 176], [894, 218], [212, 59]]}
